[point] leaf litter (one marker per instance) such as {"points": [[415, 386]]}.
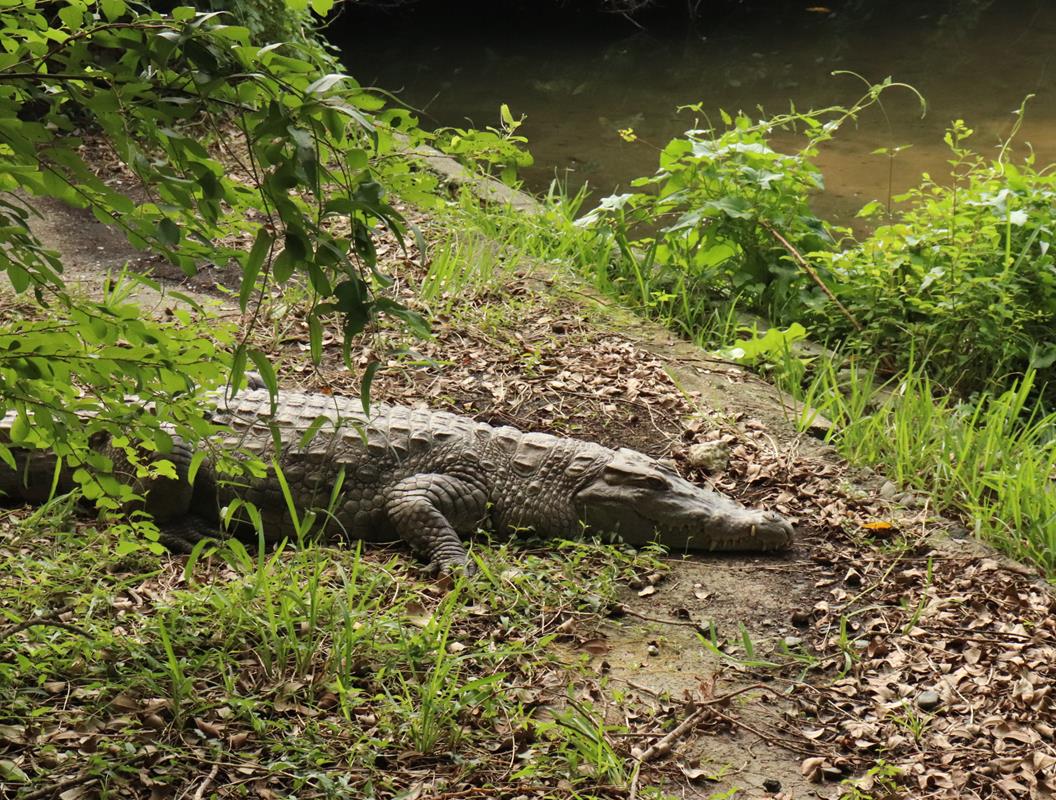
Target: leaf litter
{"points": [[882, 658]]}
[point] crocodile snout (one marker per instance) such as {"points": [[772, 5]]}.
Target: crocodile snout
{"points": [[778, 529]]}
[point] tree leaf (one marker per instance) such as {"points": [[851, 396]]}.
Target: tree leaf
{"points": [[238, 368], [261, 247], [365, 384], [267, 374], [168, 232], [315, 337]]}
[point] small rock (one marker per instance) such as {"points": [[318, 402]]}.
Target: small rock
{"points": [[772, 785], [801, 619], [888, 490], [653, 650], [909, 500], [928, 700], [709, 456], [792, 641]]}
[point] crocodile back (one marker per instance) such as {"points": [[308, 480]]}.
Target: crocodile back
{"points": [[322, 436], [528, 477]]}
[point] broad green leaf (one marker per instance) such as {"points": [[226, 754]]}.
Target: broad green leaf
{"points": [[72, 15], [168, 232], [267, 374], [261, 247], [326, 83], [283, 267], [126, 546], [112, 9], [18, 276], [163, 442], [196, 463], [19, 428], [365, 383], [7, 457]]}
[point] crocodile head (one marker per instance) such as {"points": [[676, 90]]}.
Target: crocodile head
{"points": [[643, 501]]}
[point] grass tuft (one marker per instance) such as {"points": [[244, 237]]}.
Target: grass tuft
{"points": [[314, 671], [991, 460]]}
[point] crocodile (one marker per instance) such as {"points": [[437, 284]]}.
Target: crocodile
{"points": [[427, 477]]}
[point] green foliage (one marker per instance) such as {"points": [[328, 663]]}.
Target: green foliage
{"points": [[709, 223], [462, 267], [229, 139], [581, 739], [963, 278], [992, 460], [882, 782], [693, 228], [324, 664], [493, 150], [289, 21], [67, 379], [773, 346], [431, 691]]}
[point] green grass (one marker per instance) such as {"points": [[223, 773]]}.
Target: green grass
{"points": [[991, 460], [464, 265], [552, 239], [310, 672]]}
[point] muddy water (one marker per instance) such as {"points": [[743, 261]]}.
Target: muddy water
{"points": [[971, 59]]}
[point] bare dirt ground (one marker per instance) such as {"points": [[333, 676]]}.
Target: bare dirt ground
{"points": [[879, 640]]}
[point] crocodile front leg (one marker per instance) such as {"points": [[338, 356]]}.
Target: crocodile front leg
{"points": [[170, 501], [428, 510]]}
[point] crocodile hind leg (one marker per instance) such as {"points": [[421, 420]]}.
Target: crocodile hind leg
{"points": [[180, 535], [170, 501], [426, 511]]}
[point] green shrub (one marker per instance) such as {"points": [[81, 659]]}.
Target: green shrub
{"points": [[961, 278], [726, 218], [964, 278], [695, 227]]}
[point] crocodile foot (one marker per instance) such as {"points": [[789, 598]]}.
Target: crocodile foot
{"points": [[450, 566], [182, 535]]}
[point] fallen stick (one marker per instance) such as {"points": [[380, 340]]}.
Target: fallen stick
{"points": [[198, 795], [663, 746]]}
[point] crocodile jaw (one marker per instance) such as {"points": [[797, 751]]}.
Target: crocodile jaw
{"points": [[644, 501]]}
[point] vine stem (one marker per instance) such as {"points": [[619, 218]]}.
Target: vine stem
{"points": [[802, 262]]}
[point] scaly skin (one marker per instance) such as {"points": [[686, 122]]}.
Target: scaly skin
{"points": [[427, 477]]}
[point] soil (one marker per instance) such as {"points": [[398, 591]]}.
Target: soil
{"points": [[831, 645]]}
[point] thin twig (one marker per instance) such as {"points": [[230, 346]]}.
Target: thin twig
{"points": [[82, 778], [770, 738], [663, 746], [49, 621], [802, 262], [200, 792], [624, 609]]}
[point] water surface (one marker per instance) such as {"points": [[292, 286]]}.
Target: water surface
{"points": [[971, 59]]}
